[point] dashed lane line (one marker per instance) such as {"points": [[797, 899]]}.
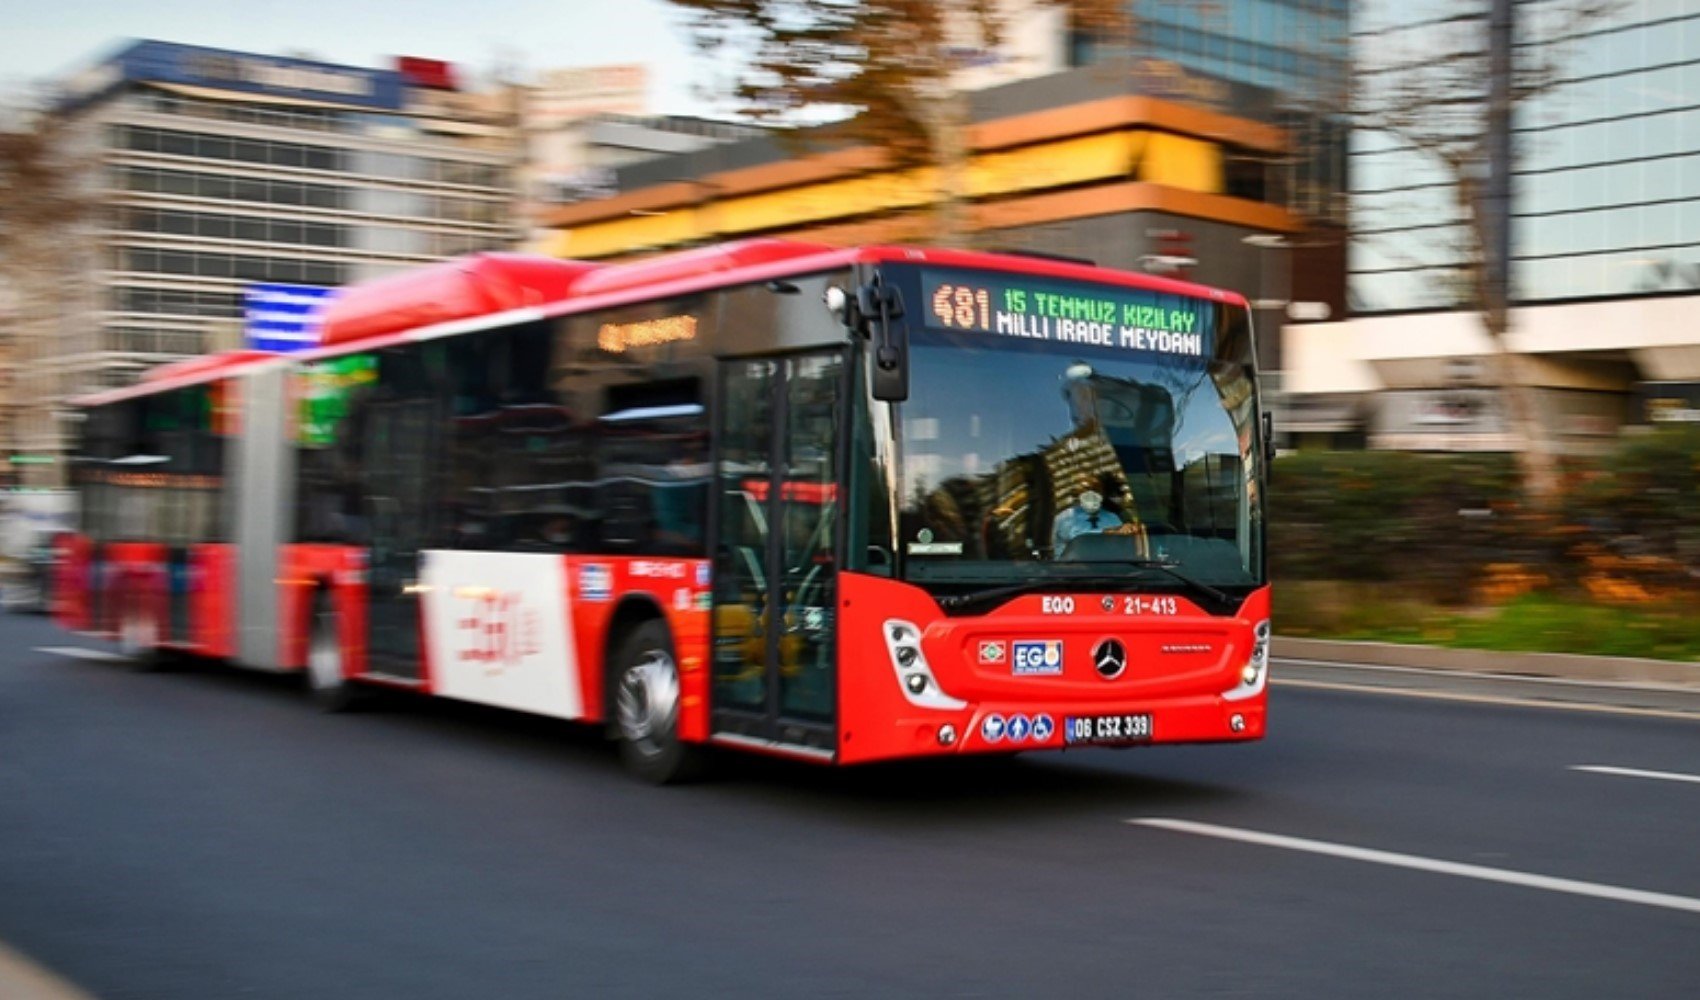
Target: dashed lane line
{"points": [[1631, 772], [80, 653], [1639, 897]]}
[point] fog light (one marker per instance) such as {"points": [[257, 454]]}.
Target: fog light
{"points": [[947, 735], [906, 655], [916, 682], [1236, 723], [1248, 675]]}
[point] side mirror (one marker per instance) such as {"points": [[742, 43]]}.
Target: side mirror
{"points": [[1268, 436], [880, 306]]}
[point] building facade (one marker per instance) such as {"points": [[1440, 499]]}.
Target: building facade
{"points": [[1082, 163], [1605, 238], [213, 172], [1297, 50], [1299, 53]]}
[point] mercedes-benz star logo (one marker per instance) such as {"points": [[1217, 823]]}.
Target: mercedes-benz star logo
{"points": [[1109, 658]]}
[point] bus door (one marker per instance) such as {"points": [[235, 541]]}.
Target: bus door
{"points": [[776, 554], [398, 448]]}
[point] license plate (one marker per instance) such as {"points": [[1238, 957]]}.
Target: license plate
{"points": [[1134, 727]]}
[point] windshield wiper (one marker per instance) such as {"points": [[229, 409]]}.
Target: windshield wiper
{"points": [[958, 602], [1168, 566]]}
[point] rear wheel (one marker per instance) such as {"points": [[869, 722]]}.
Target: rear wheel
{"points": [[138, 636], [646, 708], [326, 680]]}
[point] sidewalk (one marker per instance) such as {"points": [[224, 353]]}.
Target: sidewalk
{"points": [[22, 979], [1660, 686]]}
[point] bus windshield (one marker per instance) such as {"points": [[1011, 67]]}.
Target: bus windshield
{"points": [[1059, 430]]}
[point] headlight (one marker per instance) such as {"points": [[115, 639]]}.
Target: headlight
{"points": [[1255, 673], [914, 676]]}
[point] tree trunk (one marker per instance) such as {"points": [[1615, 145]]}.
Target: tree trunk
{"points": [[1537, 462]]}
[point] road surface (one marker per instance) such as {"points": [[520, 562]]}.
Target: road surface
{"points": [[205, 833]]}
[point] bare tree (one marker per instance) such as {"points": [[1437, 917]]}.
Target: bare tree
{"points": [[1427, 89], [42, 197], [882, 72]]}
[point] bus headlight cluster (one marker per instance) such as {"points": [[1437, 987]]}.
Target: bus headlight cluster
{"points": [[1255, 674], [914, 677]]}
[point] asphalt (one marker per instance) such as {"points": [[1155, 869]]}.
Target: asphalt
{"points": [[204, 833]]}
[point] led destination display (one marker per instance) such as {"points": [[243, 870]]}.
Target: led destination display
{"points": [[1088, 315]]}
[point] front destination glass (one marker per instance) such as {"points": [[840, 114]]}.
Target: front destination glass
{"points": [[1071, 431]]}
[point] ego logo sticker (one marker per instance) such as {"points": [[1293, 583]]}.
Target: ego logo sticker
{"points": [[595, 582], [1036, 657]]}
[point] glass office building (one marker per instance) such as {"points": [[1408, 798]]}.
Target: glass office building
{"points": [[1299, 50], [213, 171], [1604, 226], [1606, 182]]}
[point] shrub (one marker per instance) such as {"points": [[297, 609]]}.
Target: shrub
{"points": [[1453, 528]]}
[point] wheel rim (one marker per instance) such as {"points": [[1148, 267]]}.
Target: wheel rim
{"points": [[647, 701], [324, 656]]}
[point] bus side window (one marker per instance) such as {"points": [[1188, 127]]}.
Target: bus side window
{"points": [[652, 448]]}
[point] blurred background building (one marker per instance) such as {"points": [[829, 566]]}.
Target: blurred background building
{"points": [[1605, 245], [1214, 149], [228, 190], [1299, 53], [581, 123], [1212, 142]]}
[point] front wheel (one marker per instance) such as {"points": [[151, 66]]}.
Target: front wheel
{"points": [[646, 708]]}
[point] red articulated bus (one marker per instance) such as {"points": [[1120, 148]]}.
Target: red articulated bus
{"points": [[842, 505]]}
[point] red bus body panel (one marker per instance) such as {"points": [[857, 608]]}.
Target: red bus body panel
{"points": [[1177, 668], [674, 587], [212, 602], [73, 585]]}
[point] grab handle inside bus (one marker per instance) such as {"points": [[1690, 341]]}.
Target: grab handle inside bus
{"points": [[880, 306]]}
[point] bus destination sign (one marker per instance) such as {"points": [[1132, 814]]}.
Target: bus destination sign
{"points": [[1089, 315]]}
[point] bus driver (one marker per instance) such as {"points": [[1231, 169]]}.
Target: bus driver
{"points": [[1086, 517]]}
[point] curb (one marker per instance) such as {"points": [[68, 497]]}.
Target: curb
{"points": [[1605, 670], [22, 979]]}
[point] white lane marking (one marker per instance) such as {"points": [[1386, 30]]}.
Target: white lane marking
{"points": [[1630, 772], [79, 653], [1477, 699], [1597, 890]]}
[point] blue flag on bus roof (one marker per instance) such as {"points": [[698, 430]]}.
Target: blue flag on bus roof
{"points": [[283, 317]]}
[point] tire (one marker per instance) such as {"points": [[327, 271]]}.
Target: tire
{"points": [[138, 637], [327, 681], [644, 681]]}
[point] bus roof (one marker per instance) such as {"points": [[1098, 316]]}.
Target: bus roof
{"points": [[471, 293], [205, 364], [489, 288], [478, 285], [178, 374]]}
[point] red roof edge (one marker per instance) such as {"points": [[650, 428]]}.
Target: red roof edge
{"points": [[462, 288], [692, 263], [205, 364]]}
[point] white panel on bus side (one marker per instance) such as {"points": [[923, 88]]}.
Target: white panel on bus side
{"points": [[264, 479], [500, 632]]}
